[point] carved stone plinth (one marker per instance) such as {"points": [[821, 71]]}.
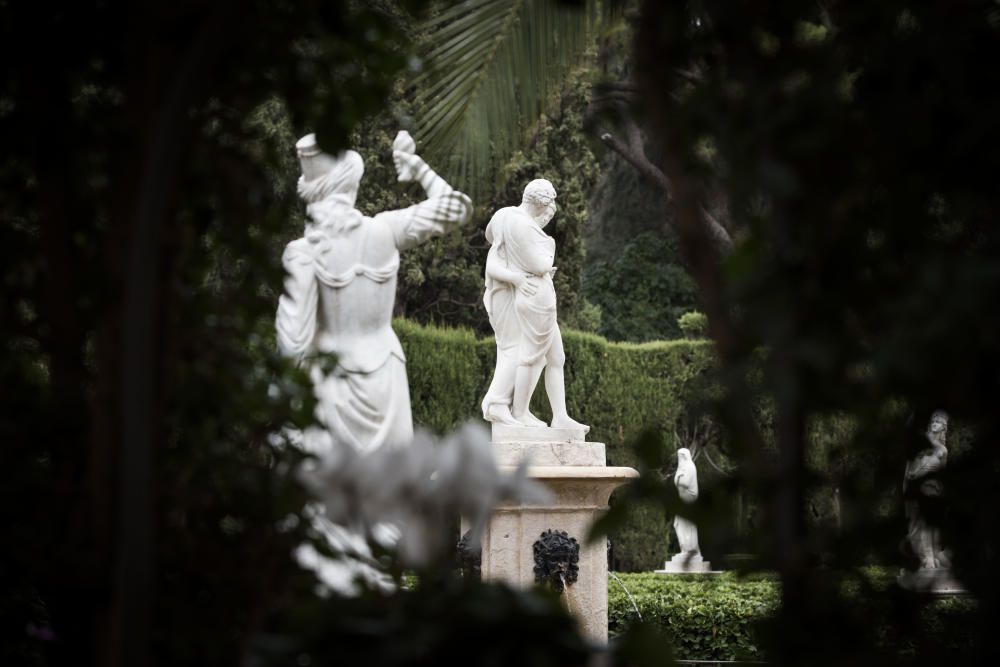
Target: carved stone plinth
{"points": [[687, 564], [581, 483], [513, 444], [933, 581], [526, 435]]}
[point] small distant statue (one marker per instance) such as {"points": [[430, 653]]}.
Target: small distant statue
{"points": [[923, 490], [689, 558], [340, 289], [520, 300], [686, 481], [922, 479]]}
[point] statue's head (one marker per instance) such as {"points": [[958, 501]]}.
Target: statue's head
{"points": [[683, 455], [939, 422], [540, 200], [325, 177]]}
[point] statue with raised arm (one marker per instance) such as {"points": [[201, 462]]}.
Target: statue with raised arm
{"points": [[520, 300], [921, 482], [340, 290]]}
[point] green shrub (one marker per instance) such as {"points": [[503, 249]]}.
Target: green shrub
{"points": [[716, 618], [616, 388], [706, 618], [693, 324], [640, 287]]}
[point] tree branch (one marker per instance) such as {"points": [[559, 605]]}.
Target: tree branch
{"points": [[613, 104], [638, 159], [635, 155]]}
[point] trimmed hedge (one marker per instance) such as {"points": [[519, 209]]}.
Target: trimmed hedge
{"points": [[715, 618], [706, 618], [616, 388]]}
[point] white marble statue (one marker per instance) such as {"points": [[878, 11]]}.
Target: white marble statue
{"points": [[340, 290], [686, 481], [921, 479], [520, 299]]}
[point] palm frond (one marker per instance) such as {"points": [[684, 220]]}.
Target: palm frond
{"points": [[489, 70]]}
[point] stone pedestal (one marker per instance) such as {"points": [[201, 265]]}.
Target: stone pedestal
{"points": [[581, 483], [933, 581], [687, 564]]}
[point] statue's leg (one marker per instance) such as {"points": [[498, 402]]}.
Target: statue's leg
{"points": [[555, 379], [496, 404], [555, 385], [528, 419], [525, 418], [924, 545], [941, 558], [524, 386]]}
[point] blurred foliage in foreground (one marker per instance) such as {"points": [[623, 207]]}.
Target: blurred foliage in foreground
{"points": [[856, 146]]}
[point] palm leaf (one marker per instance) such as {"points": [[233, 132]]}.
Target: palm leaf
{"points": [[490, 68]]}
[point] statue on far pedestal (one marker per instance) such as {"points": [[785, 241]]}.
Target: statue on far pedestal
{"points": [[686, 481], [921, 479], [689, 558], [923, 490], [520, 300]]}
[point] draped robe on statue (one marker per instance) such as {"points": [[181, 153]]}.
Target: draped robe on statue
{"points": [[686, 481], [339, 296], [524, 325]]}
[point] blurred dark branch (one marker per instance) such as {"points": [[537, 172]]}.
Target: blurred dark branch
{"points": [[637, 158], [166, 133], [612, 116], [702, 244]]}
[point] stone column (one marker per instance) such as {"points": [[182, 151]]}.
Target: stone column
{"points": [[581, 483]]}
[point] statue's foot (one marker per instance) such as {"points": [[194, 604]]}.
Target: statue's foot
{"points": [[565, 421], [499, 413], [529, 419]]}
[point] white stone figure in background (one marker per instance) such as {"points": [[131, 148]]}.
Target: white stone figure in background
{"points": [[340, 290], [921, 479], [686, 481], [689, 559], [520, 299]]}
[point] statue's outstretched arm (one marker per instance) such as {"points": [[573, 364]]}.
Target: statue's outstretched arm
{"points": [[296, 318], [444, 208]]}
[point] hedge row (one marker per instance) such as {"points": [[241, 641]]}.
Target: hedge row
{"points": [[716, 618], [704, 618], [616, 388]]}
